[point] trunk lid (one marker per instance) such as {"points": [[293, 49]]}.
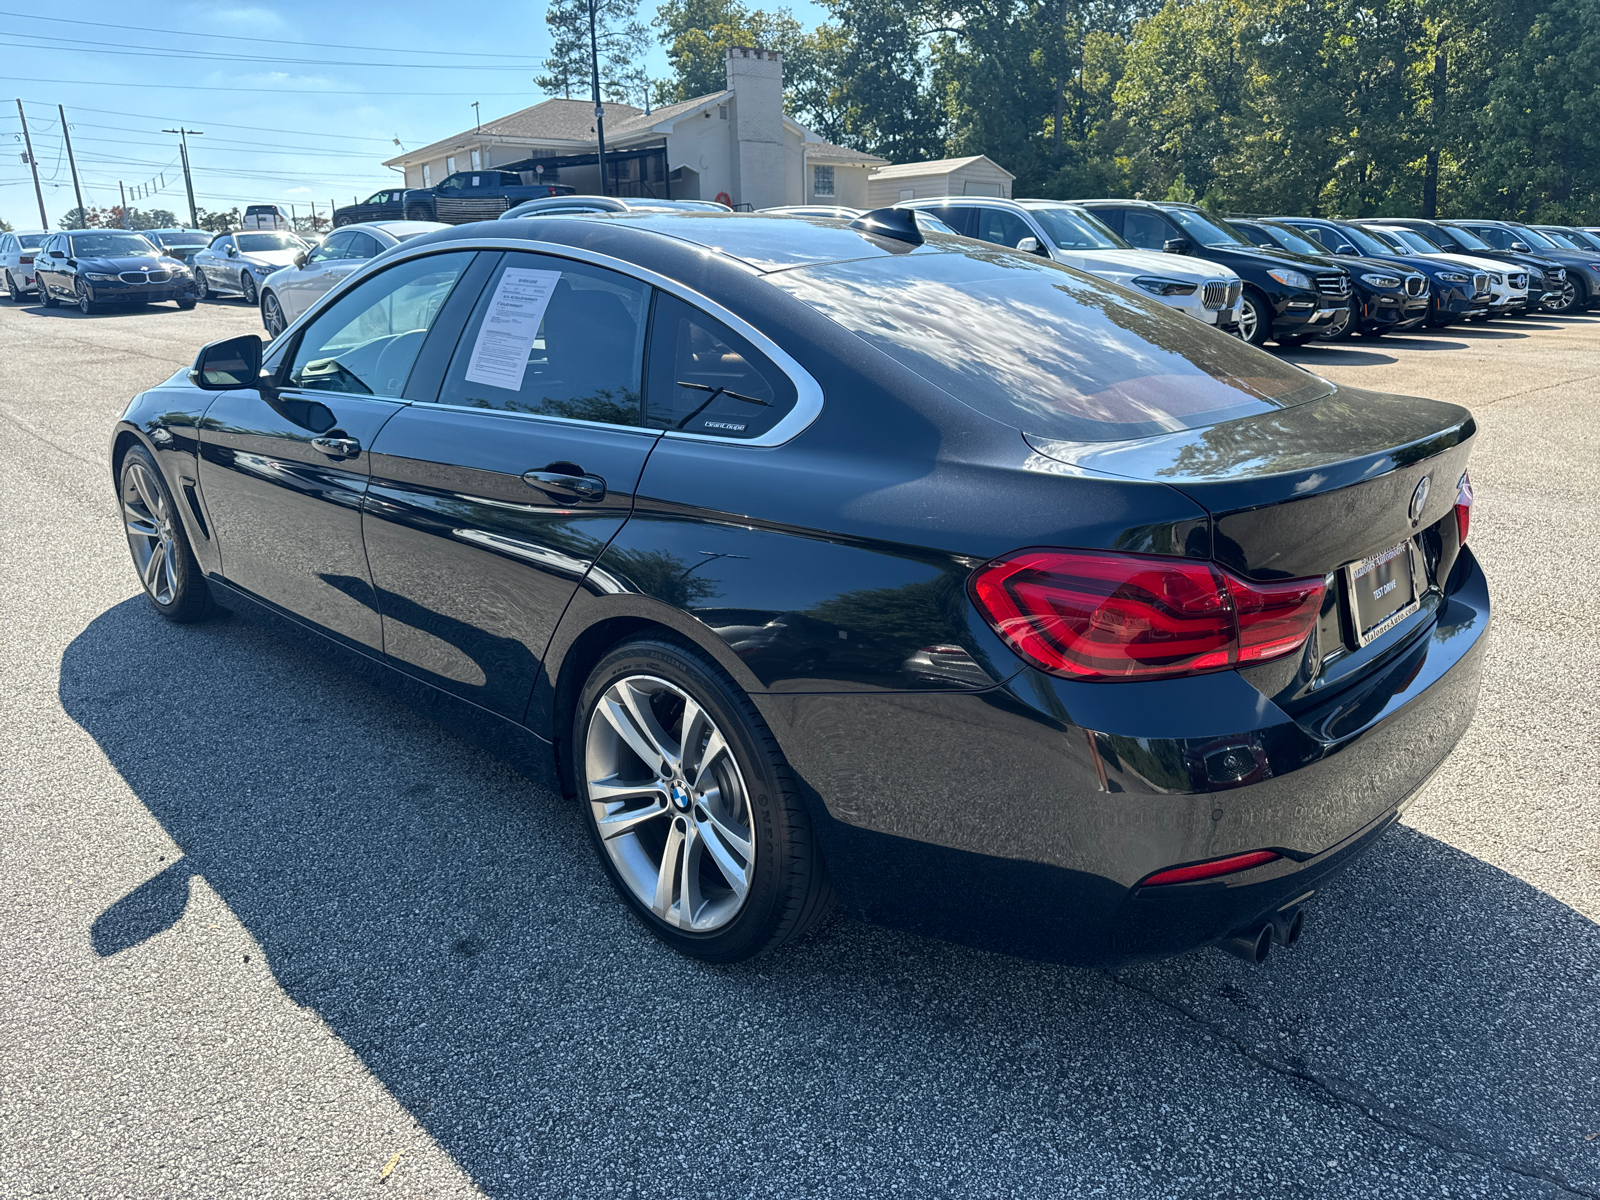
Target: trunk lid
{"points": [[1318, 489]]}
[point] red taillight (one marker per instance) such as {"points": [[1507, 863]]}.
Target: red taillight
{"points": [[25, 260], [1463, 506], [1209, 870], [1094, 615]]}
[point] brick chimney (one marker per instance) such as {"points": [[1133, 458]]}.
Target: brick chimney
{"points": [[756, 79]]}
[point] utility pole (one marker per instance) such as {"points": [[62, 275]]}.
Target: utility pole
{"points": [[188, 183], [476, 115], [27, 144], [124, 192], [73, 163], [599, 108]]}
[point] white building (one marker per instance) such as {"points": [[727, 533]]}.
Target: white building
{"points": [[978, 175], [735, 145]]}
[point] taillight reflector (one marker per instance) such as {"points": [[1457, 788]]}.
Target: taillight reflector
{"points": [[1463, 506], [1209, 870], [1100, 616]]}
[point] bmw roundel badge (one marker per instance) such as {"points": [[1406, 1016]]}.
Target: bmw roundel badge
{"points": [[1419, 498]]}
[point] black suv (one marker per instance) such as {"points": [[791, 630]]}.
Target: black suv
{"points": [[1387, 299], [1288, 298], [1546, 277], [1577, 292], [1457, 292], [475, 196]]}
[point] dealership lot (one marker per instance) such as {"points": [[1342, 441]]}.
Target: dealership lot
{"points": [[271, 933]]}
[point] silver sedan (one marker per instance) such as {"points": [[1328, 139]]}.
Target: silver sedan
{"points": [[314, 272], [235, 264]]}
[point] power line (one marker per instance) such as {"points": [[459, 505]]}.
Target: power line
{"points": [[233, 37], [117, 112], [189, 87], [85, 46]]}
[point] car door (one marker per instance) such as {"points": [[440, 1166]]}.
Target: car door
{"points": [[327, 265], [283, 472], [489, 504], [1002, 228], [43, 265], [214, 261], [1146, 230], [449, 199]]}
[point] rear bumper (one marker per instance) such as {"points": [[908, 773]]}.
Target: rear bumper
{"points": [[1023, 819]]}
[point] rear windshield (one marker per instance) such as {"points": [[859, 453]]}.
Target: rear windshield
{"points": [[30, 241], [1048, 350]]}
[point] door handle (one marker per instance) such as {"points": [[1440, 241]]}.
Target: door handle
{"points": [[337, 447], [570, 484]]}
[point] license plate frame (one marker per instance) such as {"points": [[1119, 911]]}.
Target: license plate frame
{"points": [[1395, 571]]}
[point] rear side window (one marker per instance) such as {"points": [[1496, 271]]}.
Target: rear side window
{"points": [[1047, 350], [705, 378], [555, 337]]}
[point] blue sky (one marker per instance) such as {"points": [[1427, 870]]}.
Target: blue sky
{"points": [[275, 129]]}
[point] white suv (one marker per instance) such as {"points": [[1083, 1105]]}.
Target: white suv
{"points": [[1074, 237], [16, 261]]}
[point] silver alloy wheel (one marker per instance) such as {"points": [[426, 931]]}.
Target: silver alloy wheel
{"points": [[670, 803], [14, 292], [85, 305], [247, 287], [272, 315], [1569, 297], [150, 536], [1340, 323], [202, 290], [1249, 319]]}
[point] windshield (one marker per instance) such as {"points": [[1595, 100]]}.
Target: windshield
{"points": [[1363, 242], [103, 245], [262, 243], [1389, 241], [1533, 237], [1468, 239], [1048, 350], [1075, 231], [30, 241], [1585, 239], [1208, 231], [1293, 239], [1414, 240], [1565, 240], [180, 237]]}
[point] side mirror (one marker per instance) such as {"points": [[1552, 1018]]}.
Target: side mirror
{"points": [[300, 259], [58, 254], [234, 363], [232, 251], [1522, 247], [1030, 245], [1345, 248], [1175, 246]]}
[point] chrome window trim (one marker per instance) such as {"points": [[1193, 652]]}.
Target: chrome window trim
{"points": [[808, 393]]}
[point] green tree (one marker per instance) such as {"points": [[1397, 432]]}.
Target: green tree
{"points": [[5, 225], [698, 33], [622, 40]]}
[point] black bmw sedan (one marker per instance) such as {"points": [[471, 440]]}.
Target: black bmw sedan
{"points": [[819, 561], [95, 267]]}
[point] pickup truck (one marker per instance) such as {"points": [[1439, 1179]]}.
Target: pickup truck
{"points": [[473, 196]]}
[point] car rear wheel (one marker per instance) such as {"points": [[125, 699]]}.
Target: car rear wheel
{"points": [[691, 807], [202, 289], [13, 292], [1255, 317], [186, 305], [167, 568], [247, 287], [86, 304], [272, 314], [340, 222], [418, 213]]}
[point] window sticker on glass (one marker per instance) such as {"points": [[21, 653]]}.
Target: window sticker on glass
{"points": [[500, 355]]}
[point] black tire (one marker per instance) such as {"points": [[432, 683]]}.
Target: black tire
{"points": [[272, 319], [186, 305], [788, 892], [179, 594], [341, 222], [417, 213], [45, 298], [13, 292], [1341, 332], [1255, 317], [85, 305], [1290, 343], [247, 288], [202, 289]]}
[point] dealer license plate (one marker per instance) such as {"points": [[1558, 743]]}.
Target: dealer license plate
{"points": [[1383, 591]]}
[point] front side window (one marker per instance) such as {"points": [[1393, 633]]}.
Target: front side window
{"points": [[334, 247], [555, 337], [705, 378], [1074, 231], [1048, 351], [1291, 239], [1498, 238], [1535, 239], [221, 244], [363, 245], [1000, 227], [366, 343], [822, 181], [1146, 230]]}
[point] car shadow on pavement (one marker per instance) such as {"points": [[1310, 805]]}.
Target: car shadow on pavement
{"points": [[1334, 356], [448, 922], [68, 312]]}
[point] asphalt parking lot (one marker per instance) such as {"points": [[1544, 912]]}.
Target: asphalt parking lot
{"points": [[268, 932]]}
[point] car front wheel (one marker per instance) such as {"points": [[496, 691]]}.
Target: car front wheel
{"points": [[86, 304], [692, 809], [166, 566], [247, 287], [1255, 317], [272, 318]]}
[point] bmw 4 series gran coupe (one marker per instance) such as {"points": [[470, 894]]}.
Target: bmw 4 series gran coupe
{"points": [[820, 561]]}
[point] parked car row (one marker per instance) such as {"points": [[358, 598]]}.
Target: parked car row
{"points": [[821, 559]]}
